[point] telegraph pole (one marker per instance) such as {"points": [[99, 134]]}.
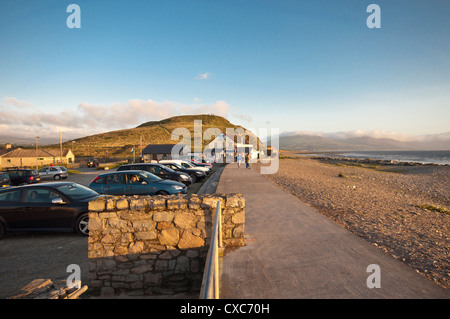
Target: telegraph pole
{"points": [[60, 147], [37, 154]]}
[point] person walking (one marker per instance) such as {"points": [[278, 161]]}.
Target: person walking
{"points": [[247, 161]]}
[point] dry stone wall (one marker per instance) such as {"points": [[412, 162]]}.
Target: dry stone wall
{"points": [[147, 245]]}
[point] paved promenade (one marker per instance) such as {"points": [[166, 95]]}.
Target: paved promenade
{"points": [[293, 251]]}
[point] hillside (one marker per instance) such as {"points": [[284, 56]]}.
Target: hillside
{"points": [[119, 143]]}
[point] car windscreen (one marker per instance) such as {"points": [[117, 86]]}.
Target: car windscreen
{"points": [[190, 165], [63, 168], [167, 169], [76, 191], [150, 177]]}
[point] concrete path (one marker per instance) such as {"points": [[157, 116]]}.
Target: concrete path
{"points": [[293, 251]]}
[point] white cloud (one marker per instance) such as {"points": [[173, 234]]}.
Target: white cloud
{"points": [[17, 103], [90, 119], [202, 76], [243, 117]]}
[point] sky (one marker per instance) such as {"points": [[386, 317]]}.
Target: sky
{"points": [[297, 66]]}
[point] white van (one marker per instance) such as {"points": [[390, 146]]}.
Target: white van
{"points": [[187, 164]]}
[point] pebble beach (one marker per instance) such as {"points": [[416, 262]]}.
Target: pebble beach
{"points": [[402, 210]]}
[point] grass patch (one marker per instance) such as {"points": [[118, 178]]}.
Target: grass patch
{"points": [[72, 171], [434, 208]]}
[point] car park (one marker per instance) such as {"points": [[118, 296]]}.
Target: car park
{"points": [[4, 179], [22, 176], [187, 164], [54, 206], [53, 172], [195, 174], [158, 170], [135, 182]]}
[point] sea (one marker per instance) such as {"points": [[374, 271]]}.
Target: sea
{"points": [[435, 157]]}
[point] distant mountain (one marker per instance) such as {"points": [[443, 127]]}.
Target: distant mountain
{"points": [[22, 141], [305, 142]]}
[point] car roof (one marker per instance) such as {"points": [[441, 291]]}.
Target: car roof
{"points": [[123, 172], [49, 184], [141, 164]]}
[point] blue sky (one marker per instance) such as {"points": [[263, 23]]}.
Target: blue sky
{"points": [[309, 66]]}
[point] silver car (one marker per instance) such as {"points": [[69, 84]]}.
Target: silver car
{"points": [[53, 172]]}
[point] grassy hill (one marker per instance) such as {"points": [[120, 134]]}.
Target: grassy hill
{"points": [[119, 143]]}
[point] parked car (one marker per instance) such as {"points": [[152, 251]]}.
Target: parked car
{"points": [[158, 170], [4, 179], [22, 176], [53, 172], [54, 206], [135, 182], [200, 164], [195, 174], [198, 158], [187, 164], [201, 160], [92, 162]]}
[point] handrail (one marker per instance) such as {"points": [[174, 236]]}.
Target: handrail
{"points": [[210, 283]]}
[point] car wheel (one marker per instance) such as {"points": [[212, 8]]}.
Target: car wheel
{"points": [[57, 177], [194, 178], [82, 224], [164, 193]]}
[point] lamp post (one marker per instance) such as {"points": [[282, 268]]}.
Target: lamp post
{"points": [[37, 154]]}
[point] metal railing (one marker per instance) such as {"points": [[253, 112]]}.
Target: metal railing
{"points": [[210, 283]]}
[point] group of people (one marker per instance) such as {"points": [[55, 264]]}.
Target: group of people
{"points": [[246, 158]]}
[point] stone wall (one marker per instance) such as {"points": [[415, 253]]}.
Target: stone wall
{"points": [[147, 245]]}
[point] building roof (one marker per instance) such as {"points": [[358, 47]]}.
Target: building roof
{"points": [[57, 152], [159, 148], [19, 152]]}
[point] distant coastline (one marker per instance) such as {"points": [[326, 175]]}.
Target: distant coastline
{"points": [[386, 157]]}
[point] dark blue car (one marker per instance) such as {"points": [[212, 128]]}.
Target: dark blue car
{"points": [[135, 182]]}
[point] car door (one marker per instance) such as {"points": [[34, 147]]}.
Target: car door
{"points": [[44, 172], [41, 213], [11, 208], [33, 209], [137, 185], [115, 184]]}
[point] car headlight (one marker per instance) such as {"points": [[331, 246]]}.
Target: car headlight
{"points": [[199, 173], [177, 187], [185, 177]]}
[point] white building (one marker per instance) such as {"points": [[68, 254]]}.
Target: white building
{"points": [[225, 147]]}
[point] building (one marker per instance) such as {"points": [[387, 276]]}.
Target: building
{"points": [[156, 152], [30, 158], [225, 147]]}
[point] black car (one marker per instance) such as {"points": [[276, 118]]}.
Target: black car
{"points": [[22, 176], [92, 162], [4, 179], [57, 206], [158, 170], [195, 174]]}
